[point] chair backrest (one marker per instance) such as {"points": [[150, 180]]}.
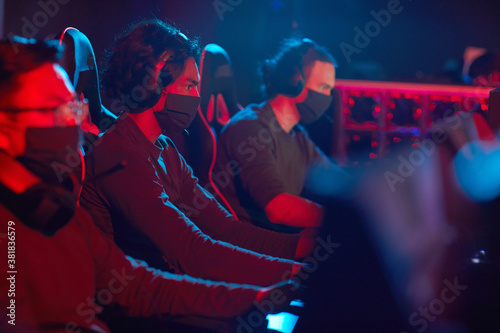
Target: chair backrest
{"points": [[79, 62], [218, 103]]}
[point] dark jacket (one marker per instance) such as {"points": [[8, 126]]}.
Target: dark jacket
{"points": [[157, 212], [53, 281]]}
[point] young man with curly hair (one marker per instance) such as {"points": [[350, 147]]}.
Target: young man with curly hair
{"points": [[150, 201]]}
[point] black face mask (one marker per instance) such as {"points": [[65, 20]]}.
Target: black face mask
{"points": [[177, 114], [53, 155], [313, 106]]}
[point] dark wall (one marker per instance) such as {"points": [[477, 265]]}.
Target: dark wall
{"points": [[101, 20], [413, 46], [417, 41]]}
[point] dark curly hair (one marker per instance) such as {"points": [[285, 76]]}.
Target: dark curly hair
{"points": [[130, 63], [296, 55], [20, 54]]}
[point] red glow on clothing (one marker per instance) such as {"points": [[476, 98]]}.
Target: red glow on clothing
{"points": [[214, 155]]}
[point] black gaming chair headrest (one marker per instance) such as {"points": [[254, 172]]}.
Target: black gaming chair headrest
{"points": [[217, 85], [79, 62]]}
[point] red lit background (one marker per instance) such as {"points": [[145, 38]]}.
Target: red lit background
{"points": [[377, 116]]}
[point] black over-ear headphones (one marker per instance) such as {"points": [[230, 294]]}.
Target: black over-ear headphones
{"points": [[289, 78], [154, 94], [180, 41]]}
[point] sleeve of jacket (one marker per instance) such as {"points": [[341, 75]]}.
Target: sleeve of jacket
{"points": [[143, 291], [137, 193], [321, 167], [215, 221]]}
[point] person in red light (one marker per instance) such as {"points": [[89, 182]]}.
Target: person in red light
{"points": [[153, 207], [60, 268], [268, 152]]}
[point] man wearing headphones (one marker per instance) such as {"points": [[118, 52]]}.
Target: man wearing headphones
{"points": [[266, 153], [57, 268], [152, 204]]}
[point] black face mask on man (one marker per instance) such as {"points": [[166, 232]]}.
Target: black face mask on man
{"points": [[313, 107], [177, 114], [53, 155]]}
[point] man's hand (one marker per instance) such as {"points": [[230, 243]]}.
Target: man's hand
{"points": [[307, 242], [294, 211], [277, 298]]}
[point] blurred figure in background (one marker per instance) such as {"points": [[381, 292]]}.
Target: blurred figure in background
{"points": [[418, 254]]}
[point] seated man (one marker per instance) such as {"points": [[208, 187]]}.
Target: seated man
{"points": [[263, 153], [151, 203], [55, 259]]}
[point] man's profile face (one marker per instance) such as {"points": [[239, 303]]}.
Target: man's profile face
{"points": [[186, 84], [320, 77]]}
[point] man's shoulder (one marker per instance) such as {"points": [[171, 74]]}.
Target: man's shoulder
{"points": [[250, 112], [113, 144], [71, 232], [247, 120], [302, 133]]}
